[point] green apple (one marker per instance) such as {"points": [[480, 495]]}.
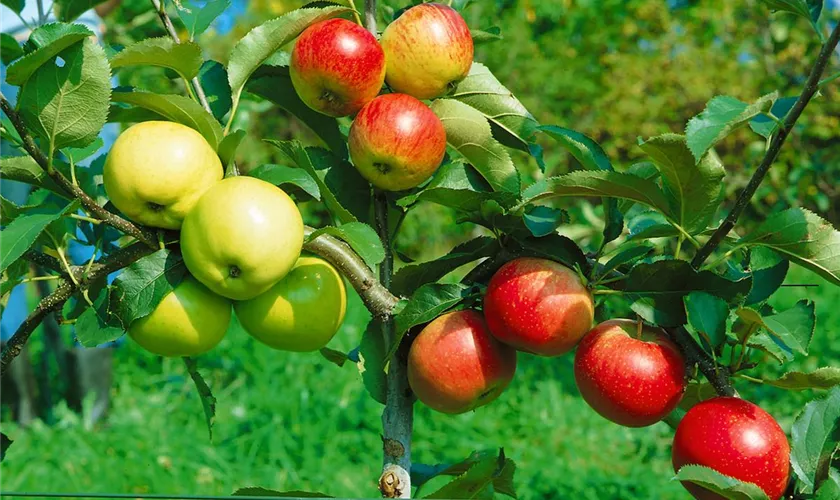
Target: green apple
{"points": [[242, 237], [189, 321], [302, 312], [156, 172]]}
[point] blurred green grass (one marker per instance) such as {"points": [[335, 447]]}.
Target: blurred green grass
{"points": [[292, 421]]}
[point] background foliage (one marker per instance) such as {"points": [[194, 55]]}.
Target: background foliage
{"points": [[614, 70]]}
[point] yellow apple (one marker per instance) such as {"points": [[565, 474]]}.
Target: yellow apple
{"points": [[189, 321], [156, 172], [242, 237], [302, 312]]}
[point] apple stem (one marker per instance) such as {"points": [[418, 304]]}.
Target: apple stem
{"points": [[639, 326]]}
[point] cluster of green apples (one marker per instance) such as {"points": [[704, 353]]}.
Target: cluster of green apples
{"points": [[339, 69], [241, 240]]}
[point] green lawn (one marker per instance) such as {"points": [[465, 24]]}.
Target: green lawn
{"points": [[292, 421]]}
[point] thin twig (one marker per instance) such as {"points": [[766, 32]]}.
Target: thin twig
{"points": [[811, 87], [160, 8], [75, 191]]}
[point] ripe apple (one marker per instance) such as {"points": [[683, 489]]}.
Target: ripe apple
{"points": [[337, 67], [737, 439], [301, 312], [428, 50], [629, 373], [242, 237], [538, 306], [190, 320], [156, 172], [397, 142], [455, 365]]}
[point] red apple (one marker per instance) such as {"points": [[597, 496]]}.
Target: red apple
{"points": [[428, 50], [737, 439], [538, 306], [455, 365], [629, 373], [337, 67], [396, 142]]}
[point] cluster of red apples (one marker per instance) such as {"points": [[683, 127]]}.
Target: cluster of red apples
{"points": [[628, 372], [338, 68]]}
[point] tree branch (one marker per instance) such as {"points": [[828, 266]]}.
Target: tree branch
{"points": [[811, 87], [43, 260], [99, 212], [170, 28], [376, 297], [718, 376], [64, 291]]}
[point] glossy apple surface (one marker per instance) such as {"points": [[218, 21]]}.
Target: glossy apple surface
{"points": [[538, 306], [455, 365], [630, 375], [737, 439]]}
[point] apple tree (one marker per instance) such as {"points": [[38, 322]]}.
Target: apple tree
{"points": [[405, 117]]}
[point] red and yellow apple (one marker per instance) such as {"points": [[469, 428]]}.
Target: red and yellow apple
{"points": [[538, 306], [302, 312], [455, 365], [737, 439], [396, 142], [630, 374], [337, 67], [428, 50]]}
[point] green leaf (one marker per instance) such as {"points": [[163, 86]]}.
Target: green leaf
{"points": [[598, 183], [122, 114], [227, 150], [784, 333], [5, 442], [335, 178], [631, 253], [16, 6], [21, 234], [592, 157], [491, 34], [821, 378], [96, 325], [768, 271], [333, 356], [830, 490], [803, 237], [660, 287], [197, 18], [428, 302], [143, 284], [707, 314], [10, 49], [208, 401], [459, 186], [69, 10], [542, 220], [694, 189], [765, 126], [67, 105], [182, 58], [468, 131], [554, 247], [361, 237], [264, 40], [512, 124], [411, 277], [809, 9], [488, 474], [253, 491], [24, 169], [281, 174], [815, 438], [725, 486], [214, 80], [60, 36], [178, 109], [722, 115], [371, 362], [274, 84]]}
